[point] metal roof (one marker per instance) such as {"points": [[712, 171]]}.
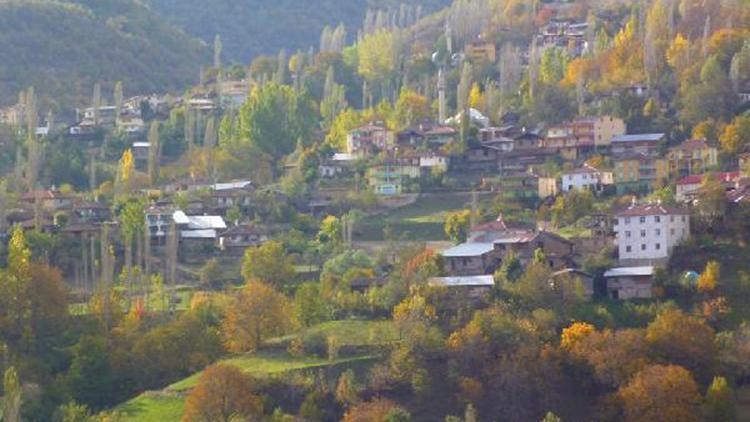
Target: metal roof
{"points": [[198, 234], [241, 184], [639, 137], [629, 271], [464, 281], [468, 249]]}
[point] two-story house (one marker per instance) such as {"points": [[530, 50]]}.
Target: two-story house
{"points": [[586, 177], [643, 143], [694, 156], [639, 172], [370, 139]]}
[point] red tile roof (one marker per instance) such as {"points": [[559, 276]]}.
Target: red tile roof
{"points": [[694, 179]]}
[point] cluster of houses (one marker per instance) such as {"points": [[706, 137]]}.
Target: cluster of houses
{"points": [[511, 159], [199, 225], [644, 235]]}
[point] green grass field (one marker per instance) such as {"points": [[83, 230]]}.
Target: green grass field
{"points": [[422, 220], [349, 333], [169, 405], [150, 407]]}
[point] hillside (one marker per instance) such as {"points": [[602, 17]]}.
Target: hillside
{"points": [[252, 27], [61, 48]]}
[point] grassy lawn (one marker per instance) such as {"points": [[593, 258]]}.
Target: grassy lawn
{"points": [[169, 405], [422, 220], [184, 296], [149, 407], [350, 333], [262, 364]]}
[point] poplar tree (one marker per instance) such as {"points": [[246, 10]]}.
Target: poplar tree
{"points": [[118, 97], [153, 152], [11, 396], [97, 102]]}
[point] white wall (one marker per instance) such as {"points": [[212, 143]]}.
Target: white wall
{"points": [[665, 234]]}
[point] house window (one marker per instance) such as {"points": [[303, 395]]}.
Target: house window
{"points": [[627, 220], [657, 218], [643, 246], [642, 220], [627, 234], [658, 246], [658, 232], [643, 233], [628, 248], [671, 218], [683, 218], [671, 231]]}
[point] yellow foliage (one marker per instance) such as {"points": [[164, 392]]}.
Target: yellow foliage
{"points": [[575, 333], [709, 279], [476, 99], [678, 53]]}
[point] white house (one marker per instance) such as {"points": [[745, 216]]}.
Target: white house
{"points": [[586, 177], [647, 233]]}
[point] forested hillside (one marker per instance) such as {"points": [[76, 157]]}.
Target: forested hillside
{"points": [[252, 27], [63, 47]]}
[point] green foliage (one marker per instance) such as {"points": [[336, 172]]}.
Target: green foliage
{"points": [[720, 403], [268, 263], [309, 306], [62, 48], [457, 225], [252, 27], [274, 118], [89, 378]]}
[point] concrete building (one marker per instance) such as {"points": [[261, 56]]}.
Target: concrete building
{"points": [[586, 177], [630, 282], [647, 233]]}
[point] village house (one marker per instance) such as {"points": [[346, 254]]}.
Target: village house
{"points": [[526, 141], [140, 152], [339, 164], [522, 185], [468, 287], [472, 258], [489, 243], [602, 236], [475, 116], [694, 156], [587, 177], [583, 137], [91, 212], [231, 194], [390, 176], [687, 187], [426, 134], [586, 280], [648, 233], [370, 139], [630, 282], [49, 199], [523, 161], [132, 125], [639, 172], [14, 115], [234, 93], [565, 34], [236, 239], [481, 50], [158, 221], [88, 117], [643, 143]]}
